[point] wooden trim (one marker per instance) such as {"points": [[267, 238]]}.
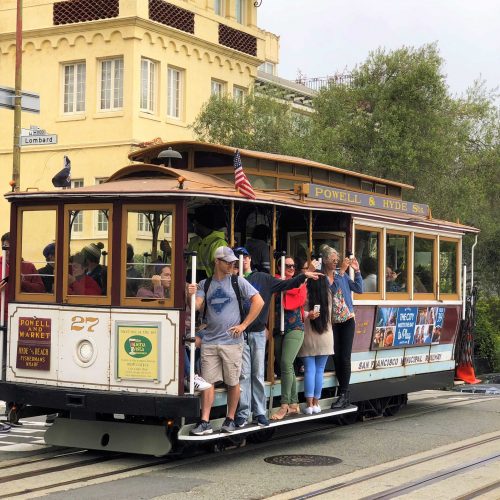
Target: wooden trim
{"points": [[426, 295], [87, 299], [21, 296], [137, 301]]}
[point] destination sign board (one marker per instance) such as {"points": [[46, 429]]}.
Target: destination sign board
{"points": [[344, 196]]}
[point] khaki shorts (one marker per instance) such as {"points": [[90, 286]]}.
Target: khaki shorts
{"points": [[221, 362]]}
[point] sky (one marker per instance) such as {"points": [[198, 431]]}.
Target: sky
{"points": [[323, 37]]}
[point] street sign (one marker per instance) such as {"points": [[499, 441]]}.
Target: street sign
{"points": [[29, 101], [35, 136]]}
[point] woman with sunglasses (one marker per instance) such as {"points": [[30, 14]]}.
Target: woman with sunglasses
{"points": [[288, 344], [341, 286]]}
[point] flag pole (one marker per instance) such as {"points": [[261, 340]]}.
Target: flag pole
{"points": [[16, 154]]}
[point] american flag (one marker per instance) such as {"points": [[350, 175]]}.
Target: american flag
{"points": [[241, 182]]}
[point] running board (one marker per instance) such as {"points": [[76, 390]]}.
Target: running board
{"points": [[292, 419]]}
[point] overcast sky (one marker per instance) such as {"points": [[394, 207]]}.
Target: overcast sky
{"points": [[322, 37]]}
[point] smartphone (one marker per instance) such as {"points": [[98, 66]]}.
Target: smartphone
{"points": [[5, 280], [317, 308]]}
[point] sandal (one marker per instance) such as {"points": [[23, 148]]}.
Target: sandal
{"points": [[293, 409], [280, 414]]}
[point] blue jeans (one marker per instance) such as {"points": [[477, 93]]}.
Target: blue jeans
{"points": [[253, 391], [314, 368]]}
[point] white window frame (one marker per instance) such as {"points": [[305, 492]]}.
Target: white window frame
{"points": [[239, 93], [266, 66], [77, 226], [74, 77], [149, 85], [175, 92], [240, 11], [143, 222], [220, 7], [217, 87], [111, 84], [100, 218]]}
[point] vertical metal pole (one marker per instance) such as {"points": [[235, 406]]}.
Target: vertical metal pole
{"points": [[192, 334], [16, 152], [270, 357], [282, 310], [310, 243], [2, 313], [464, 291], [231, 237], [240, 266]]}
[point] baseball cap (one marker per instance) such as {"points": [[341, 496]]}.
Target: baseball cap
{"points": [[226, 254], [241, 251]]}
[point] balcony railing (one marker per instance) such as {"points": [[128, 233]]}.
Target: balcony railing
{"points": [[321, 82]]}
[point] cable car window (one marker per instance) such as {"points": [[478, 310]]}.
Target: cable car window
{"points": [[149, 256], [88, 254], [36, 259], [368, 254], [448, 254], [423, 269], [396, 270]]}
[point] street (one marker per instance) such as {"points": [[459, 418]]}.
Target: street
{"points": [[456, 434]]}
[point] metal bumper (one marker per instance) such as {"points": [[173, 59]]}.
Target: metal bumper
{"points": [[86, 400]]}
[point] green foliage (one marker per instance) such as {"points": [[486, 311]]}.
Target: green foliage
{"points": [[487, 331]]}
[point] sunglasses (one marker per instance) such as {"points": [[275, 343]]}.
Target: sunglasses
{"points": [[290, 266]]}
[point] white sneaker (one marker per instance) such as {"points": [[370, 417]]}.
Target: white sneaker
{"points": [[316, 409], [308, 410], [200, 384]]}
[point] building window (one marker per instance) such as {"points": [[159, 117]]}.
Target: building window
{"points": [[240, 11], [239, 94], [102, 215], [218, 88], [77, 226], [148, 85], [268, 67], [74, 87], [143, 225], [174, 103], [112, 84], [219, 7]]}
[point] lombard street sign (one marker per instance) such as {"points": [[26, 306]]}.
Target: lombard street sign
{"points": [[35, 136]]}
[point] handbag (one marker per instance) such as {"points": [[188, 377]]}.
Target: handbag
{"points": [[340, 310]]}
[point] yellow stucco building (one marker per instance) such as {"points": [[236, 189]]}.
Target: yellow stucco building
{"points": [[114, 73]]}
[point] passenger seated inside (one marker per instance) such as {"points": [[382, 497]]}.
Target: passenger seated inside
{"points": [[390, 279], [133, 275], [98, 273], [160, 284], [369, 274], [47, 272], [79, 283]]}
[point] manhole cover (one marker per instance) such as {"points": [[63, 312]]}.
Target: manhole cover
{"points": [[302, 460]]}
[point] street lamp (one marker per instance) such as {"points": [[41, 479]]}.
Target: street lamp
{"points": [[169, 153]]}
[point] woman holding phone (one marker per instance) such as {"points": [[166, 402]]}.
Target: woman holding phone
{"points": [[341, 286], [318, 341]]}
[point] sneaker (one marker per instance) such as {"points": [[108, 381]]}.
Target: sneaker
{"points": [[202, 428], [50, 419], [240, 422], [4, 428], [316, 409], [200, 384], [261, 421], [228, 425], [308, 410]]}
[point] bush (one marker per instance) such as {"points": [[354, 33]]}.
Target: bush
{"points": [[487, 331]]}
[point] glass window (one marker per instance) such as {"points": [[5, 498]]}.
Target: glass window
{"points": [[149, 265], [238, 94], [74, 87], [112, 84], [396, 270], [78, 218], [38, 251], [219, 7], [240, 11], [217, 88], [268, 67], [423, 271], [368, 254], [148, 85], [448, 254], [87, 257], [174, 98]]}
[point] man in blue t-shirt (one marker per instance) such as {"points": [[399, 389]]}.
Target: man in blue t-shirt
{"points": [[222, 344]]}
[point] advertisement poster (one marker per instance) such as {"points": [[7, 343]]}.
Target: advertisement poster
{"points": [[33, 344], [138, 352], [407, 326]]}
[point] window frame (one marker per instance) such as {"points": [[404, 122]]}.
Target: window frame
{"points": [[220, 8], [435, 267], [409, 267], [87, 299], [148, 303], [241, 91], [74, 99], [152, 87], [112, 86], [458, 294], [34, 297], [240, 11], [73, 185], [215, 81], [180, 93], [381, 250]]}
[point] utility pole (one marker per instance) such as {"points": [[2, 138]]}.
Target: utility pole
{"points": [[16, 154]]}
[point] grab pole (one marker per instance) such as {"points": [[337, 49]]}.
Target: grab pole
{"points": [[3, 330], [192, 334], [282, 309]]}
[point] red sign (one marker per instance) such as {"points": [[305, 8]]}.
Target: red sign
{"points": [[33, 344]]}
